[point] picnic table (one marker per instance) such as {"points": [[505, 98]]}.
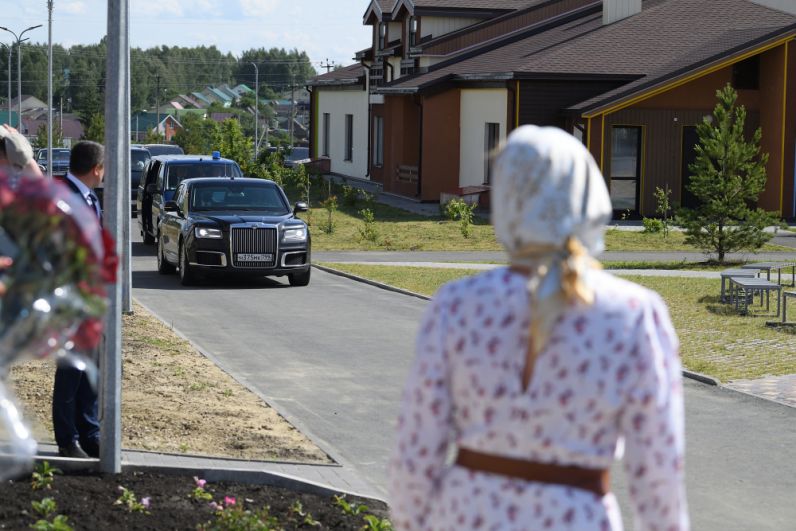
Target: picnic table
{"points": [[730, 273], [779, 266], [785, 296], [742, 289]]}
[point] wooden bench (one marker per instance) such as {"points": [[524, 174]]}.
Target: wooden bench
{"points": [[742, 290], [408, 174]]}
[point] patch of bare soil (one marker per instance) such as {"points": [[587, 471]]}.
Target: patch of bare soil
{"points": [[175, 400], [89, 502]]}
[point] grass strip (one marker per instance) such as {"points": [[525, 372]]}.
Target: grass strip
{"points": [[395, 229], [714, 339]]}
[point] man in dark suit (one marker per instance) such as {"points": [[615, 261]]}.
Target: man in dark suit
{"points": [[74, 399]]}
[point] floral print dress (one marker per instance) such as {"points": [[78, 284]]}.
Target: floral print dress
{"points": [[607, 383]]}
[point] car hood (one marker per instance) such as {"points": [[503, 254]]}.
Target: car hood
{"points": [[232, 218]]}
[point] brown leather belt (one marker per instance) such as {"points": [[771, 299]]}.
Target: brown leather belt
{"points": [[593, 480]]}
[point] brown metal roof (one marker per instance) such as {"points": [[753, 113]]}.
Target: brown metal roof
{"points": [[489, 5], [349, 75], [667, 36]]}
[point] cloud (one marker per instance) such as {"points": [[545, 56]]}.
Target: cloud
{"points": [[254, 8], [73, 8], [152, 8]]}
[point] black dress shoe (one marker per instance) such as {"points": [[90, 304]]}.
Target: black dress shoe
{"points": [[72, 450], [91, 447]]}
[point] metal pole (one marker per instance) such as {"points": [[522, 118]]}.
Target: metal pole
{"points": [[20, 40], [50, 89], [256, 108], [157, 107], [117, 169], [10, 49]]}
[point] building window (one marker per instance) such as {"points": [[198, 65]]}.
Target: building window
{"points": [[382, 35], [349, 137], [491, 141], [412, 31], [326, 125], [378, 141], [746, 74], [625, 168]]}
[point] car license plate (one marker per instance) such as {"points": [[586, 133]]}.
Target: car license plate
{"points": [[249, 257]]}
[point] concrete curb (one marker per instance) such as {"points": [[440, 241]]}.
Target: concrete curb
{"points": [[253, 477], [688, 374], [371, 282]]}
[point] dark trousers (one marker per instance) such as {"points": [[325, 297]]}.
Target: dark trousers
{"points": [[74, 407]]}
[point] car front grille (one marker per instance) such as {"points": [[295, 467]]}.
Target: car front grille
{"points": [[253, 241]]}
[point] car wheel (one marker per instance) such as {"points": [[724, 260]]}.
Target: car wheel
{"points": [[187, 275], [148, 238], [164, 267], [300, 279]]}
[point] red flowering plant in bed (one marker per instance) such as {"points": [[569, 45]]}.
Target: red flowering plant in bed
{"points": [[55, 296]]}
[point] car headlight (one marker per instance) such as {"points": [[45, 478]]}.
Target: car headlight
{"points": [[206, 232], [298, 234]]}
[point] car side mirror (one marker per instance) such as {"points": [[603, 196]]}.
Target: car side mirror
{"points": [[151, 188], [301, 206], [171, 206]]}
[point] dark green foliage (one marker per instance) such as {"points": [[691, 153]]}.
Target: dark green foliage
{"points": [[79, 74], [728, 176]]}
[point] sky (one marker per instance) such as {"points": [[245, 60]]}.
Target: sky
{"points": [[325, 29]]}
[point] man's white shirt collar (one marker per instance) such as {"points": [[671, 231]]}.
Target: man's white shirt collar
{"points": [[85, 191]]}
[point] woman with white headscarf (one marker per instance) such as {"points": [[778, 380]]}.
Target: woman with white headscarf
{"points": [[529, 380]]}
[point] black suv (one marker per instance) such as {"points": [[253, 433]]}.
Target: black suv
{"points": [[60, 160], [163, 174], [138, 161], [243, 227]]}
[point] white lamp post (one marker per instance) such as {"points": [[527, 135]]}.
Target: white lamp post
{"points": [[50, 89], [256, 109], [20, 40]]}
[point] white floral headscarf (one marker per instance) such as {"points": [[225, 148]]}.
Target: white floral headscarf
{"points": [[550, 208]]}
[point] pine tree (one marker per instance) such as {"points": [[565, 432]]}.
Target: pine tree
{"points": [[729, 174], [95, 128]]}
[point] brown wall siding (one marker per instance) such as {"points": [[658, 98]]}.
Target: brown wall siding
{"points": [[401, 143], [504, 26], [441, 144], [771, 91], [790, 136], [701, 94], [662, 147], [543, 102]]}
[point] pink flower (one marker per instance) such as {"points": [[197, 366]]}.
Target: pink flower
{"points": [[229, 500], [215, 506], [200, 482], [145, 502]]}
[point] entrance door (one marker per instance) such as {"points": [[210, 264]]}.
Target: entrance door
{"points": [[690, 140], [625, 168]]}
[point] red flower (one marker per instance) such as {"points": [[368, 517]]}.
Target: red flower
{"points": [[110, 261]]}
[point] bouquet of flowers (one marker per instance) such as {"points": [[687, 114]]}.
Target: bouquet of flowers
{"points": [[54, 289]]}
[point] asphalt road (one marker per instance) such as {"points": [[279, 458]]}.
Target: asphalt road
{"points": [[332, 358]]}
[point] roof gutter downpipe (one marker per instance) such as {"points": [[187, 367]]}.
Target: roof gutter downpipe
{"points": [[370, 117]]}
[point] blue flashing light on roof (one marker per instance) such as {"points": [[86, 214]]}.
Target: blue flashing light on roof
{"points": [[216, 155]]}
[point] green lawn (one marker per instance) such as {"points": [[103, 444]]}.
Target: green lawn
{"points": [[714, 339], [399, 230]]}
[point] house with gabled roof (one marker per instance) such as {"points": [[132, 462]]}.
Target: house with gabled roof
{"points": [[201, 99], [632, 79]]}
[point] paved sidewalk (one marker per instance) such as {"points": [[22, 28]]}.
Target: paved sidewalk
{"points": [[781, 389], [319, 479]]}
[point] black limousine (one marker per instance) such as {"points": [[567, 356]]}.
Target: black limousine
{"points": [[237, 226]]}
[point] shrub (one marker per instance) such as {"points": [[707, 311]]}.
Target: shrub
{"points": [[457, 209], [653, 226], [368, 231]]}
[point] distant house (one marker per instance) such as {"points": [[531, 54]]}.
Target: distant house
{"points": [[189, 102], [241, 90], [445, 81], [71, 126], [144, 123], [29, 103], [204, 100], [221, 116]]}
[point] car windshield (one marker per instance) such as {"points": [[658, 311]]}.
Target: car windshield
{"points": [[163, 149], [138, 159], [238, 196], [299, 153], [58, 156], [176, 173]]}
